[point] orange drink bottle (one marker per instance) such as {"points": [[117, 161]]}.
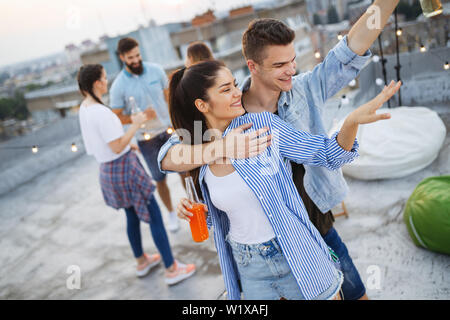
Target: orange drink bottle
{"points": [[198, 226]]}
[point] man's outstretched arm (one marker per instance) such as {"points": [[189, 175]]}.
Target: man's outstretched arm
{"points": [[367, 29], [344, 62]]}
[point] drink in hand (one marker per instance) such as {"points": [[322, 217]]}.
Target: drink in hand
{"points": [[431, 8], [198, 226]]}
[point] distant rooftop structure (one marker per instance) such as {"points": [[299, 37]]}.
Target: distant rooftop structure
{"points": [[241, 11], [87, 43], [205, 18], [356, 10], [70, 46]]}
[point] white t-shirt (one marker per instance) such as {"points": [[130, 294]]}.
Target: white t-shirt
{"points": [[248, 222], [99, 126]]}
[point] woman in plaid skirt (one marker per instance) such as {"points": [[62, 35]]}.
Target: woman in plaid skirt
{"points": [[123, 180]]}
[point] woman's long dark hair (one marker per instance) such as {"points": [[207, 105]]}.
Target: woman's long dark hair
{"points": [[87, 75], [186, 85]]}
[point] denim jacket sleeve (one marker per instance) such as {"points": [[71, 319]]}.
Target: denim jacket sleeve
{"points": [[340, 66], [314, 150], [173, 140]]}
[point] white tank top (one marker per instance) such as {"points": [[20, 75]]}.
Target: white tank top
{"points": [[248, 222]]}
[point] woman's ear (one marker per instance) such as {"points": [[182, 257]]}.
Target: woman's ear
{"points": [[97, 84], [201, 105]]}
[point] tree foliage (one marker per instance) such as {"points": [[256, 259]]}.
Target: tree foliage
{"points": [[15, 107], [332, 15], [316, 19], [411, 12]]}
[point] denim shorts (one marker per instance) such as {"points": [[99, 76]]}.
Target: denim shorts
{"points": [[266, 275], [352, 287], [150, 150]]}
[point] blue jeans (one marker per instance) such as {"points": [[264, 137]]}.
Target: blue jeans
{"points": [[266, 275], [353, 287], [150, 150], [157, 230]]}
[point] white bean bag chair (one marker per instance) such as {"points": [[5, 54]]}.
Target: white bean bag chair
{"points": [[394, 148]]}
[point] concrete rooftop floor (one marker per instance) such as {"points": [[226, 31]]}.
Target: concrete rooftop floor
{"points": [[59, 219]]}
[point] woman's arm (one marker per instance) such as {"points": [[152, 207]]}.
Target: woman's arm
{"points": [[365, 114], [319, 150], [238, 145], [118, 145]]}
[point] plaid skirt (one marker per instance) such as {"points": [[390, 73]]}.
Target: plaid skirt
{"points": [[125, 184]]}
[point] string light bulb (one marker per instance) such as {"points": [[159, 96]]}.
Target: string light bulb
{"points": [[399, 32], [379, 81], [423, 48], [170, 130], [376, 58], [147, 136], [34, 149], [317, 54], [340, 37], [344, 100], [446, 66], [74, 147]]}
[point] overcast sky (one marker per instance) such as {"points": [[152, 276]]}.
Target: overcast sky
{"points": [[34, 28]]}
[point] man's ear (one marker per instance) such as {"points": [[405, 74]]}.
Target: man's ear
{"points": [[201, 105], [251, 66], [122, 58]]}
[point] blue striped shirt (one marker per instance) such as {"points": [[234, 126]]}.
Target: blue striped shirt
{"points": [[269, 177]]}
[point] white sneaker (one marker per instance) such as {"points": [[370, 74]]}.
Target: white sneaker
{"points": [[182, 271], [143, 269], [173, 224]]}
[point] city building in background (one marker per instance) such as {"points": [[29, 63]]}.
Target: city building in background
{"points": [[167, 44], [51, 91]]}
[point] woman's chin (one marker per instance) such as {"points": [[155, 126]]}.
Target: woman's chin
{"points": [[239, 111], [235, 112]]}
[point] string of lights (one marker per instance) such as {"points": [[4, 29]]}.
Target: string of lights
{"points": [[398, 33], [35, 148], [398, 66], [423, 48], [73, 147]]}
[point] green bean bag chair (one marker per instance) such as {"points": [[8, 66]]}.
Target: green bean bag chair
{"points": [[427, 214]]}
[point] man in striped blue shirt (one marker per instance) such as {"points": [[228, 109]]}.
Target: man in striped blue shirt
{"points": [[297, 100]]}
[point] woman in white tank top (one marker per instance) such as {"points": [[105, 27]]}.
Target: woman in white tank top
{"points": [[123, 180], [266, 243]]}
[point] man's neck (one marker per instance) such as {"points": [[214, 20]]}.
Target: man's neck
{"points": [[258, 98]]}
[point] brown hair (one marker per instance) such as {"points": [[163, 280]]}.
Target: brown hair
{"points": [[126, 44], [264, 32], [87, 75], [185, 86], [199, 51]]}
